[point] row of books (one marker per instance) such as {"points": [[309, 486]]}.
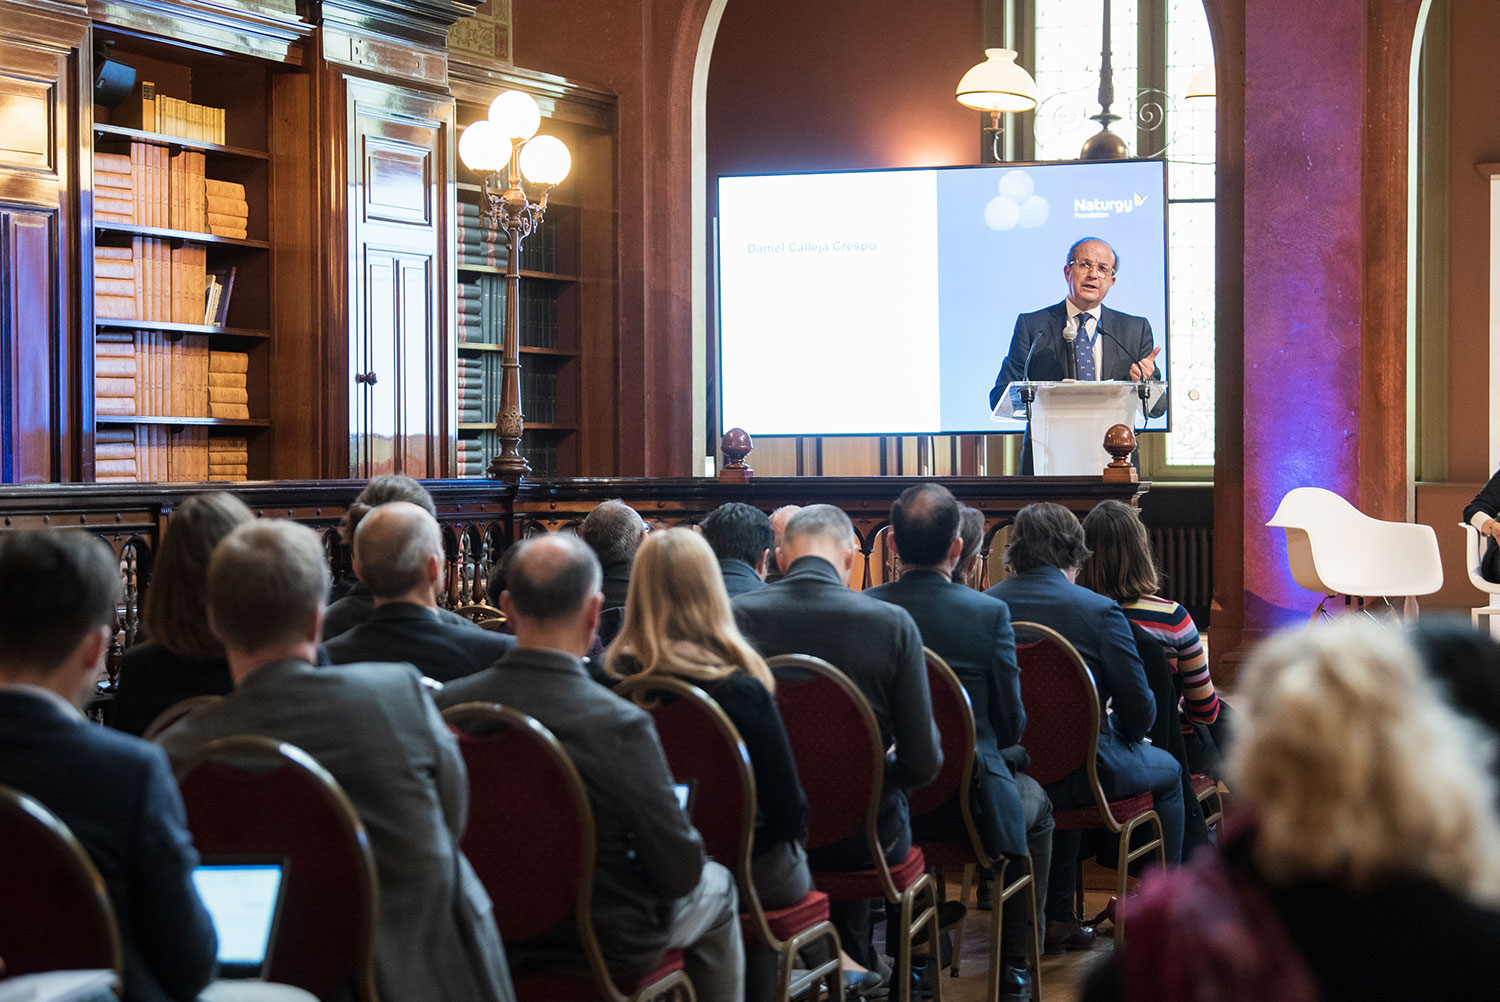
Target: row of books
{"points": [[474, 454], [149, 111], [539, 251], [155, 453], [479, 382], [471, 386], [153, 280], [477, 243], [481, 312], [149, 186], [146, 374], [228, 395]]}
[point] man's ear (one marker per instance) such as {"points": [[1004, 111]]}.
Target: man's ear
{"points": [[780, 554], [508, 607], [85, 663], [763, 564], [591, 611], [890, 538], [436, 571], [314, 633], [956, 548]]}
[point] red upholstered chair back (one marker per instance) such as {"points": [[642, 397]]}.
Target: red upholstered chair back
{"points": [[55, 912], [1062, 705], [254, 796], [703, 748], [530, 836], [954, 715], [836, 742]]}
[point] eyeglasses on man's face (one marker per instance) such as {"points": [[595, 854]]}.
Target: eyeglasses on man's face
{"points": [[1093, 268]]}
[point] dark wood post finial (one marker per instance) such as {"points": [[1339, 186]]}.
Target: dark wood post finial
{"points": [[736, 445], [1119, 442]]}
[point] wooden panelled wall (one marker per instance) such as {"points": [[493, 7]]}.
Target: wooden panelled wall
{"points": [[350, 173]]}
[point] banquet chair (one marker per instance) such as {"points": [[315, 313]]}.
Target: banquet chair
{"points": [[166, 718]]}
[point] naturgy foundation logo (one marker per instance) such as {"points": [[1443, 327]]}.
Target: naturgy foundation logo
{"points": [[1102, 208], [1018, 204]]}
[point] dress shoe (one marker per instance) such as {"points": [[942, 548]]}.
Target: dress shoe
{"points": [[950, 914], [1070, 935], [1015, 983], [862, 985], [1107, 915]]}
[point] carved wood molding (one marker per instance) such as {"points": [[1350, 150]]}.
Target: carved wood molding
{"points": [[217, 27], [423, 21], [475, 80]]}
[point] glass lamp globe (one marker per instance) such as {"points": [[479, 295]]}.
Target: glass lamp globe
{"points": [[545, 160], [515, 115], [482, 148], [997, 84]]}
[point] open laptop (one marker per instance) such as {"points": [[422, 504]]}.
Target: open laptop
{"points": [[243, 896]]}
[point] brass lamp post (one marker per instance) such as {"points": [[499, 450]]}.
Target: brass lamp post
{"points": [[543, 161]]}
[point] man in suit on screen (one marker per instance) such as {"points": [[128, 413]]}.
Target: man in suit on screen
{"points": [[1081, 338]]}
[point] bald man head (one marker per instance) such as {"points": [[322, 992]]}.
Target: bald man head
{"points": [[398, 553], [779, 519], [552, 596]]}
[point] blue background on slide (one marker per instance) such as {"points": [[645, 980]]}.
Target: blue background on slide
{"points": [[986, 276]]}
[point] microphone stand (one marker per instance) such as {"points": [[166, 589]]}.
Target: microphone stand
{"points": [[1142, 389]]}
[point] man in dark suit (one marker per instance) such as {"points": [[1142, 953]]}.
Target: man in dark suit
{"points": [[741, 537], [972, 632], [811, 610], [115, 792], [1080, 337], [373, 727], [654, 889], [1481, 513], [398, 555], [614, 531], [1045, 550]]}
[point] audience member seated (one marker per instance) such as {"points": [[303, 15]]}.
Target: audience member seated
{"points": [[812, 611], [356, 604], [1121, 566], [1045, 551], [1370, 866], [1466, 664], [373, 727], [653, 888], [779, 518], [971, 532], [613, 530], [180, 656], [971, 631], [678, 623], [113, 791], [398, 554], [741, 537]]}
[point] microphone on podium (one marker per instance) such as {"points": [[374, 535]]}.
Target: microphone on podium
{"points": [[1070, 356]]}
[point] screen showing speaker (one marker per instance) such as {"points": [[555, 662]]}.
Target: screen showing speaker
{"points": [[882, 302]]}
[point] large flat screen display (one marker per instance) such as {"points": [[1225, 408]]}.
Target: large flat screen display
{"points": [[883, 302]]}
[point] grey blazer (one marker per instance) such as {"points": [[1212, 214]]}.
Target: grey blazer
{"points": [[376, 730]]}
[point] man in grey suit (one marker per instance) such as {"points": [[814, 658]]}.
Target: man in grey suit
{"points": [[375, 729], [1045, 551], [972, 633], [654, 890], [398, 555], [811, 610], [1080, 337]]}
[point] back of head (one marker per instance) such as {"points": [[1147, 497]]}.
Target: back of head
{"points": [[381, 490], [55, 588], [551, 577], [614, 531], [1355, 768], [1466, 664], [819, 521], [1045, 535], [677, 617], [176, 613], [925, 519], [1120, 563], [266, 582], [971, 531], [779, 518], [392, 548], [738, 531]]}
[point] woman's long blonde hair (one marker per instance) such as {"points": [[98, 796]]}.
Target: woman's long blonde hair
{"points": [[1357, 770], [677, 615]]}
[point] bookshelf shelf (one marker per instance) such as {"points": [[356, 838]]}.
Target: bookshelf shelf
{"points": [[183, 236], [122, 134], [530, 426], [484, 346], [548, 276], [168, 328], [108, 419]]}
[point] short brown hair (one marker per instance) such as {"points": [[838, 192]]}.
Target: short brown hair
{"points": [[1045, 535], [380, 490], [614, 530], [176, 612], [266, 580], [1120, 564], [55, 586]]}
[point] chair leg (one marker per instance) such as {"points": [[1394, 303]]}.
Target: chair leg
{"points": [[935, 946], [1121, 880], [902, 974], [963, 899]]}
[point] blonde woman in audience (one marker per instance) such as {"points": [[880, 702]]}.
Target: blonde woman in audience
{"points": [[1367, 866]]}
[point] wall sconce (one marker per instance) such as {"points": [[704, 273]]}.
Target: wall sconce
{"points": [[507, 142], [997, 85]]}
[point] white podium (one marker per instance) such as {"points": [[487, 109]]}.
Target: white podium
{"points": [[1067, 420]]}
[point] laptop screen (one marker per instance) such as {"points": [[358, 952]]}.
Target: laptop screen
{"points": [[243, 899]]}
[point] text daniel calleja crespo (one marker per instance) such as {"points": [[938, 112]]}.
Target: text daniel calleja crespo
{"points": [[794, 247]]}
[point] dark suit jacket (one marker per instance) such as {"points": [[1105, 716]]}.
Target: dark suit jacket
{"points": [[356, 607], [615, 585], [972, 633], [1049, 360], [648, 854], [739, 577], [1097, 626], [1487, 501], [375, 729], [404, 631], [152, 678], [811, 611], [117, 795]]}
